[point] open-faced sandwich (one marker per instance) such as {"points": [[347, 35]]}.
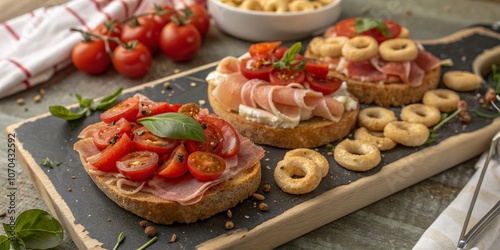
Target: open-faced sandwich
{"points": [[378, 60], [169, 163], [275, 97]]}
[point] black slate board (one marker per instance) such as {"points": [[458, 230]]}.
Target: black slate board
{"points": [[103, 219]]}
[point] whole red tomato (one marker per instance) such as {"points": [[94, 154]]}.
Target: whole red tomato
{"points": [[133, 60], [161, 15], [142, 29], [109, 28], [90, 56], [200, 18], [180, 41]]}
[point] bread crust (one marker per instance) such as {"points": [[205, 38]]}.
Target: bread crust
{"points": [[311, 133], [387, 94], [217, 199]]}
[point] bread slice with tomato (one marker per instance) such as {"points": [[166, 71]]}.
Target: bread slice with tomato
{"points": [[274, 97], [179, 165], [378, 60]]}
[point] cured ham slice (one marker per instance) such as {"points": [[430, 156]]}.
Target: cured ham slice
{"points": [[427, 61], [416, 75], [364, 71], [228, 65], [228, 91]]}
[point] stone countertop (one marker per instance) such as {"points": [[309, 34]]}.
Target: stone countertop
{"points": [[396, 222]]}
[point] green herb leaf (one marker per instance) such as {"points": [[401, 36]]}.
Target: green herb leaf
{"points": [[49, 163], [66, 114], [108, 101], [4, 242], [38, 229], [174, 126], [365, 24], [289, 57], [84, 103], [121, 237]]}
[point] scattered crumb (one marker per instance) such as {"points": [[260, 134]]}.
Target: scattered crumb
{"points": [[37, 98], [109, 219], [42, 92], [20, 101], [73, 177], [3, 214], [192, 84], [177, 71], [173, 238], [229, 225], [201, 102], [70, 189], [167, 85]]}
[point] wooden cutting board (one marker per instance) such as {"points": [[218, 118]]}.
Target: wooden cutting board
{"points": [[94, 222]]}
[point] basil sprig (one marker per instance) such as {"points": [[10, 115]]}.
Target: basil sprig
{"points": [[365, 24], [288, 60], [87, 106], [33, 229], [174, 126]]}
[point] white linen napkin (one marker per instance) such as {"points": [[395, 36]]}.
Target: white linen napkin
{"points": [[35, 45], [445, 231]]}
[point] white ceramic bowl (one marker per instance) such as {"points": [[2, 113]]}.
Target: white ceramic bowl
{"points": [[259, 26]]}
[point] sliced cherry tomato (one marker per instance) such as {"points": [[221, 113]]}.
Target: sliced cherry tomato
{"points": [[280, 52], [161, 15], [127, 109], [189, 109], [176, 107], [317, 69], [109, 28], [263, 48], [257, 67], [347, 28], [325, 85], [180, 41], [106, 159], [132, 61], [104, 136], [153, 108], [205, 166], [144, 30], [145, 140], [214, 142], [91, 57], [229, 134], [138, 165], [287, 76], [176, 164], [200, 19]]}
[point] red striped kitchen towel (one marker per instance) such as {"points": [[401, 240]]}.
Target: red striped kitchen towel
{"points": [[35, 45]]}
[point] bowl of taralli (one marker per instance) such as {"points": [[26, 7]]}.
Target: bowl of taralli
{"points": [[265, 20]]}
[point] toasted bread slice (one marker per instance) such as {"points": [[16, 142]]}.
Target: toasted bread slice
{"points": [[311, 133], [217, 199]]}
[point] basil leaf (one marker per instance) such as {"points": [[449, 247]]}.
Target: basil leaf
{"points": [[174, 126], [84, 103], [18, 244], [365, 24], [4, 242], [66, 114], [289, 57], [38, 229], [107, 102]]}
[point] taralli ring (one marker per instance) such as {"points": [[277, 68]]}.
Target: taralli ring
{"points": [[407, 133], [332, 46], [357, 155], [375, 118], [297, 175], [421, 113], [398, 50], [376, 137], [445, 100], [360, 48], [310, 154], [461, 80]]}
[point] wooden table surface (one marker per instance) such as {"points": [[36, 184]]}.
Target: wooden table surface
{"points": [[396, 222]]}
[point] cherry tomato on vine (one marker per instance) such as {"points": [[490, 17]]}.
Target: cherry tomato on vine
{"points": [[200, 19], [133, 60], [206, 166], [138, 165], [161, 15], [109, 28], [90, 56], [142, 29], [180, 41], [263, 48]]}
